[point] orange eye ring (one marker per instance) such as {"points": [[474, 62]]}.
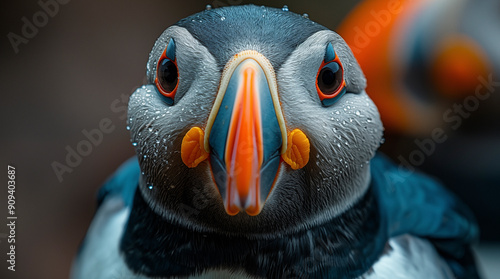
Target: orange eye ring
{"points": [[330, 83], [167, 74]]}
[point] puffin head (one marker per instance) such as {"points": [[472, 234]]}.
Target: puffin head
{"points": [[254, 121]]}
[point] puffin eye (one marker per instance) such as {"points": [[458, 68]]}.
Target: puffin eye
{"points": [[330, 78], [330, 82], [167, 74]]}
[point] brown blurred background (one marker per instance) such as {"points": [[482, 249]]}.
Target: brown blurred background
{"points": [[72, 74]]}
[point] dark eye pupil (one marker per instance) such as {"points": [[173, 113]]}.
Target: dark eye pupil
{"points": [[167, 75], [330, 78]]}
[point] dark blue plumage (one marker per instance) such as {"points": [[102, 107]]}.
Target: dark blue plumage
{"points": [[398, 202], [417, 204], [123, 182], [345, 247]]}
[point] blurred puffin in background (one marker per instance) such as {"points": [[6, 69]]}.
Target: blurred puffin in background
{"points": [[433, 70]]}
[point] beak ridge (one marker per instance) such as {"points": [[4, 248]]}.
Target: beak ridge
{"points": [[242, 154]]}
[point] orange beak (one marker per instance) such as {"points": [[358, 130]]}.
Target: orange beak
{"points": [[244, 146], [245, 140]]}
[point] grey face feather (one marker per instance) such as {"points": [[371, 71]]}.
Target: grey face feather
{"points": [[197, 67], [157, 129], [343, 136]]}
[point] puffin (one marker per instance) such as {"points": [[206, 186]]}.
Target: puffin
{"points": [[438, 69], [433, 53], [256, 157]]}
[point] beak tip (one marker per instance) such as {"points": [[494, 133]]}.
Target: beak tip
{"points": [[232, 213], [253, 211], [233, 209]]}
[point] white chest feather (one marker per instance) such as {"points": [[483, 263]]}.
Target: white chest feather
{"points": [[409, 257], [100, 256], [406, 257]]}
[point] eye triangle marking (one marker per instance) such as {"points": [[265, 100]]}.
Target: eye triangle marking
{"points": [[167, 74], [170, 53], [329, 53]]}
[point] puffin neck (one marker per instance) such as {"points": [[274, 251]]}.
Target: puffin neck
{"points": [[344, 247]]}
